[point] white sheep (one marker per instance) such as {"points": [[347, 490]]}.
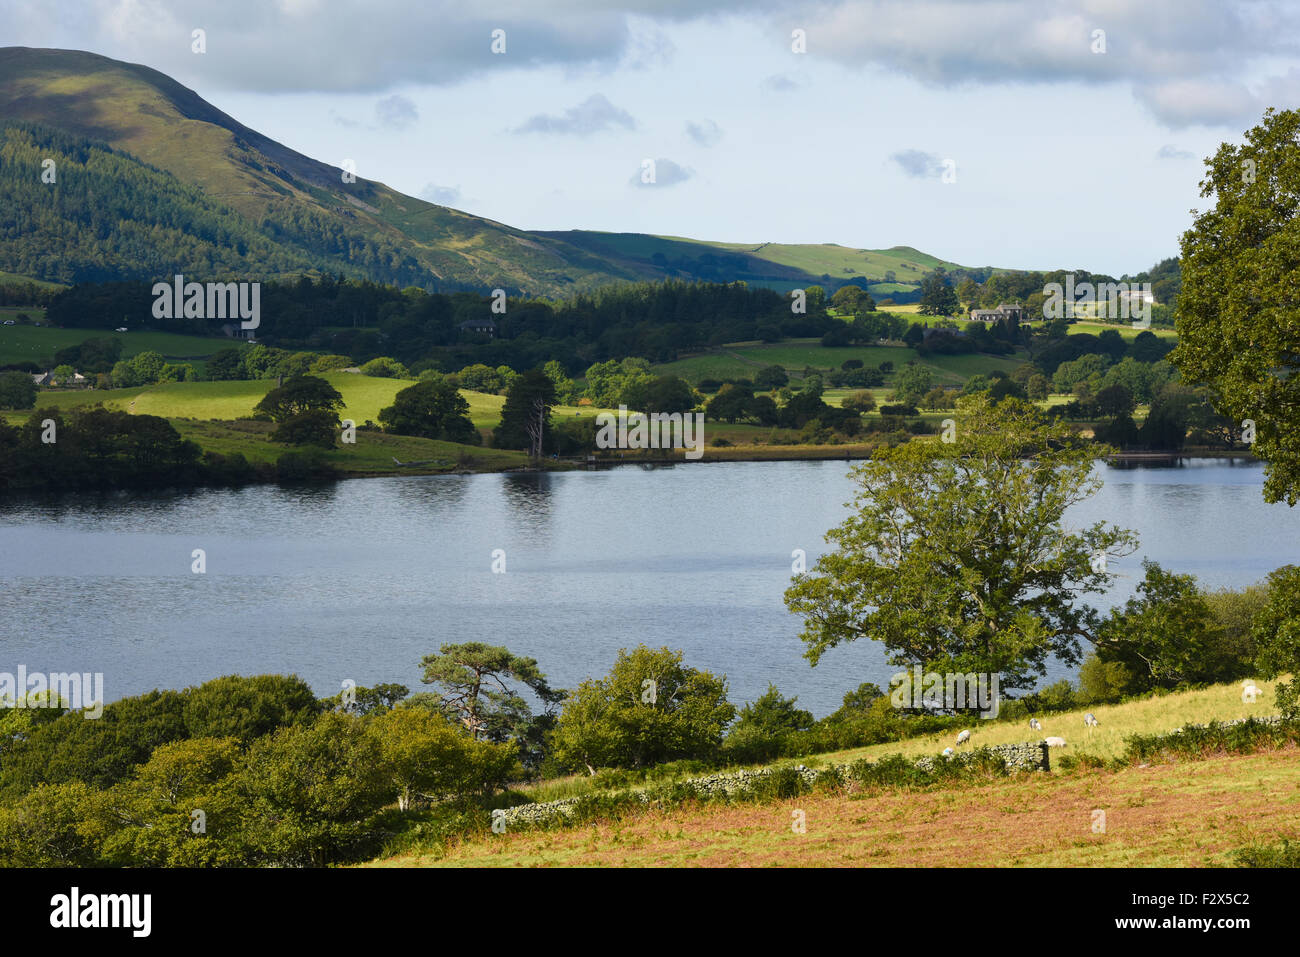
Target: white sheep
{"points": [[1091, 721], [1056, 742], [1249, 692], [947, 752], [963, 738], [1035, 724]]}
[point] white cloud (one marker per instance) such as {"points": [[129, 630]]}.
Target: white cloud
{"points": [[918, 164], [705, 133], [595, 114], [666, 173], [441, 195], [396, 112]]}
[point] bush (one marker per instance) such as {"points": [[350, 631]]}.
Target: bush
{"points": [[315, 428], [1285, 854], [385, 368], [1105, 681], [244, 708], [308, 466], [17, 391]]}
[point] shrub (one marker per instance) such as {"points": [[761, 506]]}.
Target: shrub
{"points": [[308, 466]]}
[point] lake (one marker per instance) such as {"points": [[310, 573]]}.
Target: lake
{"points": [[358, 580]]}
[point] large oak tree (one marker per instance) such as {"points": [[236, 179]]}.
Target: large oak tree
{"points": [[958, 556]]}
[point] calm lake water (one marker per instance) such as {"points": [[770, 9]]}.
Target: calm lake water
{"points": [[360, 579]]}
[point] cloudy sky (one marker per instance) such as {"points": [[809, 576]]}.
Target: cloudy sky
{"points": [[837, 121]]}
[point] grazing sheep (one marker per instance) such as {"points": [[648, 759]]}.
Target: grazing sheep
{"points": [[1056, 742], [1249, 692], [947, 752], [1035, 724], [1091, 721], [963, 738]]}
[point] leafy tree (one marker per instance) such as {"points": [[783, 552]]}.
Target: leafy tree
{"points": [[384, 367], [245, 708], [434, 409], [860, 401], [665, 393], [314, 428], [225, 365], [1277, 634], [957, 557], [476, 687], [51, 826], [771, 715], [1237, 318], [526, 416], [1101, 681], [17, 390], [147, 367], [382, 697], [152, 812], [565, 390], [731, 404], [1164, 635], [911, 383], [608, 381], [97, 752], [299, 395], [310, 791], [771, 377], [938, 399], [937, 297], [650, 709], [428, 759], [846, 300], [1114, 400], [1006, 387]]}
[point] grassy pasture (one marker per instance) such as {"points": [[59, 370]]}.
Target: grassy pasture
{"points": [[373, 452], [1183, 814], [743, 360], [1186, 813], [18, 343]]}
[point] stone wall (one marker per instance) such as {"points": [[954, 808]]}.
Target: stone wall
{"points": [[1030, 756]]}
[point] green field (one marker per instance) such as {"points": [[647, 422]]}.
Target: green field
{"points": [[1127, 330], [372, 454], [742, 360], [363, 397], [38, 344]]}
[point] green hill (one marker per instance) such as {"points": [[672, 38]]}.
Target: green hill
{"points": [[270, 209], [781, 266], [153, 179]]}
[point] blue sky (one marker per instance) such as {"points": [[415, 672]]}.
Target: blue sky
{"points": [[1064, 156]]}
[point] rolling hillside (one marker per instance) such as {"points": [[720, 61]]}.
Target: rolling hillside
{"points": [[782, 266], [189, 185], [297, 204]]}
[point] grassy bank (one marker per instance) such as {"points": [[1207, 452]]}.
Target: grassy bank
{"points": [[1158, 815], [1183, 814]]}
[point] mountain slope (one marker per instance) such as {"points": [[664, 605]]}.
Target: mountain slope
{"points": [[144, 113], [234, 199], [778, 265]]}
